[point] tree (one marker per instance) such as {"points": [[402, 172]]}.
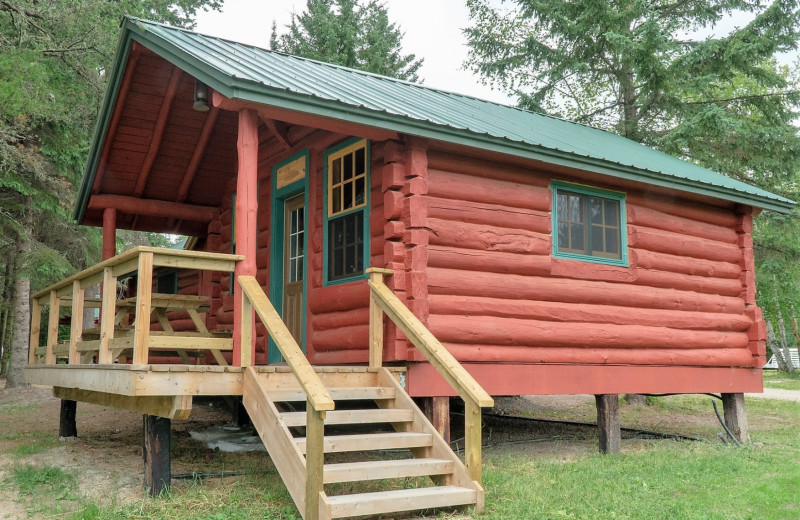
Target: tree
{"points": [[344, 32], [53, 58], [647, 70]]}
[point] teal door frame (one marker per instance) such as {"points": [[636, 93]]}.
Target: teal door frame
{"points": [[276, 252]]}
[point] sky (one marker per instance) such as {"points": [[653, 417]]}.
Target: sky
{"points": [[436, 36]]}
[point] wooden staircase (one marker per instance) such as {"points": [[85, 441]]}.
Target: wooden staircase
{"points": [[373, 414]]}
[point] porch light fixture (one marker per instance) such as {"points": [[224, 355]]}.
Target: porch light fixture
{"points": [[200, 96]]}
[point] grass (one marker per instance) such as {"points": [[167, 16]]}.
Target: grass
{"points": [[782, 380]]}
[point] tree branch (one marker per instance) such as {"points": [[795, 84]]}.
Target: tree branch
{"points": [[743, 98]]}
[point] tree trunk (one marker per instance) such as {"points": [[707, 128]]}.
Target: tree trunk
{"points": [[787, 355], [5, 316], [21, 306], [774, 347]]}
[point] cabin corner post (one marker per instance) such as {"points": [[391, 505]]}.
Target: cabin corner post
{"points": [[415, 220], [609, 433], [736, 416], [246, 212], [757, 333]]}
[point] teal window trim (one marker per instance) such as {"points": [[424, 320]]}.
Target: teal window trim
{"points": [[279, 198], [365, 211], [590, 191], [165, 275]]}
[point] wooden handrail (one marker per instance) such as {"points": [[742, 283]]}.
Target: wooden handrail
{"points": [[317, 394], [473, 394]]}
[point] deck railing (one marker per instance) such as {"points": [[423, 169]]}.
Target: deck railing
{"points": [[115, 334], [318, 400], [383, 300]]}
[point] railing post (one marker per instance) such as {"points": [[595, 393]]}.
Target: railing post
{"points": [[144, 293], [246, 350], [107, 311], [472, 439], [315, 459], [36, 327], [376, 320], [52, 328], [76, 323]]}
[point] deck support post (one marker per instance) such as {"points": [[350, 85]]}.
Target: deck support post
{"points": [[109, 233], [735, 416], [246, 211], [155, 452], [608, 422], [437, 410], [66, 425]]}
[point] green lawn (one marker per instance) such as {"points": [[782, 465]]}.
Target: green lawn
{"points": [[783, 380]]}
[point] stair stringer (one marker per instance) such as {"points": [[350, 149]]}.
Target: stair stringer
{"points": [[288, 460], [440, 449]]}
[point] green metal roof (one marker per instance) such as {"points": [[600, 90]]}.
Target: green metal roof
{"points": [[249, 73]]}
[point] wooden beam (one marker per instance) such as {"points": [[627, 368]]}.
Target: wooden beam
{"points": [[608, 422], [157, 433], [52, 328], [304, 119], [144, 291], [107, 313], [437, 410], [197, 154], [36, 327], [735, 416], [279, 134], [109, 233], [158, 131], [170, 407], [76, 327], [154, 208], [118, 108], [315, 459]]}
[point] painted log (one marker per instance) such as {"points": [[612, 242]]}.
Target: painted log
{"points": [[685, 282], [482, 168], [456, 186], [642, 216], [723, 217], [333, 320], [514, 287], [496, 262], [495, 215], [342, 338], [716, 357], [340, 297], [487, 308], [517, 332], [665, 242], [677, 264], [487, 238]]}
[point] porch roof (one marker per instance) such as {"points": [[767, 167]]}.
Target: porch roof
{"points": [[251, 74]]}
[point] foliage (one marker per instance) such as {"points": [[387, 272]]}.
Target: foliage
{"points": [[348, 33]]}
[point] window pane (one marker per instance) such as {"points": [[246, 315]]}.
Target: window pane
{"points": [[597, 239], [300, 216], [612, 241], [562, 204], [611, 208], [299, 275], [360, 195], [348, 196], [348, 167], [576, 208], [576, 242], [337, 171], [596, 210], [346, 242], [337, 199], [361, 161], [563, 235]]}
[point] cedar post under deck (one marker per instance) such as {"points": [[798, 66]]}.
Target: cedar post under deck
{"points": [[608, 422], [246, 213], [735, 416], [155, 451]]}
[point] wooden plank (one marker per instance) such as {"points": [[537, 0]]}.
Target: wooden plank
{"points": [[284, 453], [189, 343], [107, 314], [608, 422], [197, 154], [52, 328], [371, 441], [202, 264], [736, 416], [289, 348], [338, 394], [375, 323], [144, 289], [36, 328], [399, 500], [246, 332], [332, 417], [384, 469], [434, 351], [76, 324], [472, 440], [170, 407], [315, 459]]}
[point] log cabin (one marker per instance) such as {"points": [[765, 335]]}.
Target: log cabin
{"points": [[359, 238]]}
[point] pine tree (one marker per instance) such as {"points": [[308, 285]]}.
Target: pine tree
{"points": [[344, 32]]}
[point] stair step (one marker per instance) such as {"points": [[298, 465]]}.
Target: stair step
{"points": [[388, 415], [338, 394], [399, 500], [381, 469], [371, 441]]}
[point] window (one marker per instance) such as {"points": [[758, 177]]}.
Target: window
{"points": [[167, 282], [346, 211], [589, 224]]}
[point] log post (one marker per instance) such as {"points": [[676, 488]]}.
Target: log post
{"points": [[608, 422], [246, 211], [472, 439], [735, 416], [109, 233], [66, 425], [155, 452], [437, 410], [315, 459]]}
